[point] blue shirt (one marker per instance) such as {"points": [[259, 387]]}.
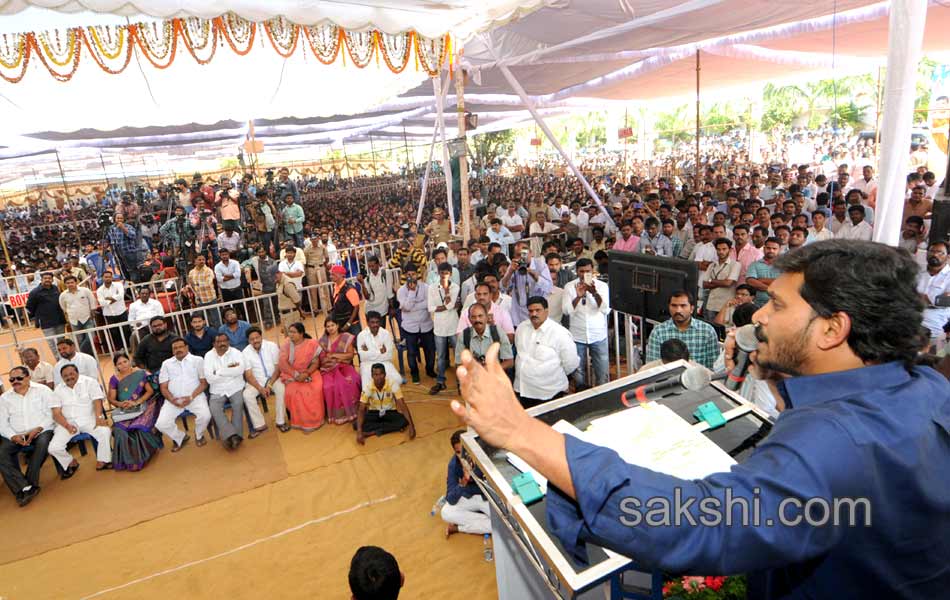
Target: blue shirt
{"points": [[238, 337], [199, 346], [761, 270], [878, 432], [453, 491]]}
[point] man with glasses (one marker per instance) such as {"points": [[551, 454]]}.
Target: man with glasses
{"points": [[933, 284], [25, 420]]}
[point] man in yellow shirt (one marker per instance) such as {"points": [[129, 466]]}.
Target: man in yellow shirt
{"points": [[382, 410]]}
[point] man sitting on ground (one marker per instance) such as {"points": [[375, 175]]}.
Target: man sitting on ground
{"points": [[382, 410], [465, 508], [77, 408]]}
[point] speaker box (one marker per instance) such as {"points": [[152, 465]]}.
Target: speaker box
{"points": [[940, 221]]}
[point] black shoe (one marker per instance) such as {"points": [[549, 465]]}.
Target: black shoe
{"points": [[70, 471], [415, 379], [431, 374], [436, 389], [24, 498], [234, 441]]}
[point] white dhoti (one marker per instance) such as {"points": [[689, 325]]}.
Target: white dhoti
{"points": [[61, 437], [170, 412], [254, 409], [469, 514]]}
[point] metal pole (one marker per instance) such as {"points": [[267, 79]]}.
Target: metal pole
{"points": [[877, 119], [405, 142], [69, 201], [145, 166], [125, 179], [346, 160], [372, 152], [698, 173], [463, 159], [104, 172]]}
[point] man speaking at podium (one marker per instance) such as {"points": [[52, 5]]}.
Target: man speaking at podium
{"points": [[840, 336]]}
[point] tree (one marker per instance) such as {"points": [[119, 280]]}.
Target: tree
{"points": [[674, 125], [488, 147]]}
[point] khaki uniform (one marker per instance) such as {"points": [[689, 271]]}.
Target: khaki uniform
{"points": [[316, 257], [439, 233], [288, 299]]}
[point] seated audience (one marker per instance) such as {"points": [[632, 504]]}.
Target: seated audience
{"points": [[224, 371], [136, 440], [25, 420], [341, 382], [699, 336], [86, 364], [300, 373], [263, 377], [376, 345], [183, 384], [77, 408], [41, 372], [375, 575]]}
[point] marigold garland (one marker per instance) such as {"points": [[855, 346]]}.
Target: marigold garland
{"points": [[106, 46]]}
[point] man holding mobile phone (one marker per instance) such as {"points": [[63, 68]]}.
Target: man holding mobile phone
{"points": [[586, 301]]}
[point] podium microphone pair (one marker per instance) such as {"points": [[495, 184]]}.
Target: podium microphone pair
{"points": [[696, 377]]}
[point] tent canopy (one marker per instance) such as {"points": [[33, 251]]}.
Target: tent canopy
{"points": [[568, 55]]}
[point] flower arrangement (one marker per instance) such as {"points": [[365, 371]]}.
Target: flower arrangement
{"points": [[705, 588]]}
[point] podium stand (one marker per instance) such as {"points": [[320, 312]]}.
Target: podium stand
{"points": [[529, 561]]}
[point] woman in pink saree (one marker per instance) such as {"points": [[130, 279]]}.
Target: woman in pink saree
{"points": [[341, 381], [299, 371]]}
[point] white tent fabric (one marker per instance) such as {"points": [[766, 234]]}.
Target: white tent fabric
{"points": [[428, 17]]}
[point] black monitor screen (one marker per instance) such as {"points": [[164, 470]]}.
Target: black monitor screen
{"points": [[641, 284]]}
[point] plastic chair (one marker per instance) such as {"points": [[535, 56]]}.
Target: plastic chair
{"points": [[80, 440]]}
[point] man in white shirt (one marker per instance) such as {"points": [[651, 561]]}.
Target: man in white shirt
{"points": [[77, 408], [224, 371], [228, 275], [443, 302], [541, 226], [78, 305], [703, 252], [513, 222], [819, 232], [111, 297], [290, 267], [857, 228], [41, 372], [25, 420], [86, 364], [586, 300], [580, 218], [377, 287], [933, 283], [866, 184], [263, 377], [546, 356], [375, 345], [182, 383], [142, 310]]}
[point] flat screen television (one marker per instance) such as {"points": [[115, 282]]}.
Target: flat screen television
{"points": [[641, 284]]}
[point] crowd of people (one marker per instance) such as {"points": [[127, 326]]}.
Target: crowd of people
{"points": [[532, 278]]}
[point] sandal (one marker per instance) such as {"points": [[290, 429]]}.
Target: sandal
{"points": [[283, 427], [104, 467]]}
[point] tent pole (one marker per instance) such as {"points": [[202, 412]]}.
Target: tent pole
{"points": [[905, 39], [877, 119], [69, 201], [346, 160], [125, 179], [439, 91], [372, 152], [698, 172], [405, 143], [104, 172], [463, 159]]}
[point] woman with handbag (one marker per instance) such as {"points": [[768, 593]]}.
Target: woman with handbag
{"points": [[136, 439]]}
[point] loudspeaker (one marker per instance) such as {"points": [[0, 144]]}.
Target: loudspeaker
{"points": [[940, 221]]}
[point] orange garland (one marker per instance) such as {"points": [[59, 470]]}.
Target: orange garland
{"points": [[132, 35]]}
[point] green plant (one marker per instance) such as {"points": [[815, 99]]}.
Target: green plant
{"points": [[487, 147]]}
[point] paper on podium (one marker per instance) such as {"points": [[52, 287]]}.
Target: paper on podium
{"points": [[655, 437]]}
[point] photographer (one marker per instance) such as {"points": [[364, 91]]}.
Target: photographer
{"points": [[177, 234], [526, 276], [285, 185], [262, 213], [126, 244], [227, 201], [128, 209]]}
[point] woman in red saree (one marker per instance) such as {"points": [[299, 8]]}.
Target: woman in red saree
{"points": [[299, 371]]}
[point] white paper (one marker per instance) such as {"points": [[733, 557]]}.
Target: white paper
{"points": [[655, 437]]}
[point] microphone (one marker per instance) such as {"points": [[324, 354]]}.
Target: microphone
{"points": [[746, 343], [694, 378]]}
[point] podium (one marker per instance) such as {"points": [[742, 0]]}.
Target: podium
{"points": [[529, 561]]}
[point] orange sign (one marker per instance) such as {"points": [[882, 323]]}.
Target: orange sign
{"points": [[624, 132], [535, 141]]}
